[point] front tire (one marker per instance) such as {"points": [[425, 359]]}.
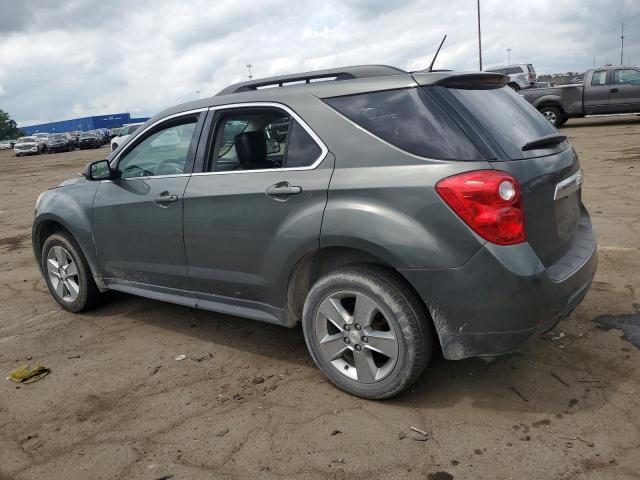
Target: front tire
{"points": [[367, 331], [553, 115], [67, 274], [514, 86]]}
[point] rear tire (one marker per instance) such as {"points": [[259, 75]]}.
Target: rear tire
{"points": [[515, 86], [553, 115], [367, 331], [67, 274]]}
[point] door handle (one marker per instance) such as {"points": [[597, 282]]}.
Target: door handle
{"points": [[282, 189], [614, 90], [164, 199]]}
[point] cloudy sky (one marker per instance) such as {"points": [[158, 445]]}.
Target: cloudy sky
{"points": [[64, 59]]}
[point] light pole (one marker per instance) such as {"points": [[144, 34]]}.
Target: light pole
{"points": [[508, 56], [622, 44], [249, 67], [479, 39], [197, 93]]}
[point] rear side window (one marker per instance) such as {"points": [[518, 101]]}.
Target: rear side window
{"points": [[599, 78], [628, 76], [302, 150], [409, 119], [509, 119]]}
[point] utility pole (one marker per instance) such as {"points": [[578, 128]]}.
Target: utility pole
{"points": [[249, 67], [508, 56], [622, 44], [197, 93], [479, 39]]}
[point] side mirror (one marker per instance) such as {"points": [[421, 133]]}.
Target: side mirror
{"points": [[100, 170]]}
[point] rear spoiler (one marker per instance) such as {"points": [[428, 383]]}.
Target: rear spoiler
{"points": [[469, 81]]}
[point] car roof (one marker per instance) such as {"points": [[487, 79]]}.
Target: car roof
{"points": [[320, 84]]}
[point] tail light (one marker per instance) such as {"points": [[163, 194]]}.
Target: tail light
{"points": [[489, 201]]}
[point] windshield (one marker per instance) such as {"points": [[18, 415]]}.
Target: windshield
{"points": [[26, 140], [58, 136], [509, 119], [86, 135]]}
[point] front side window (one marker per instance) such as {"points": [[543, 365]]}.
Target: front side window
{"points": [[599, 78], [627, 76], [163, 152], [410, 119], [261, 139]]}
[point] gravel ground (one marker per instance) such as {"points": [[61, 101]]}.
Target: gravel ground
{"points": [[247, 401]]}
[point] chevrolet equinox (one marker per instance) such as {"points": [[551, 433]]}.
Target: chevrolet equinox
{"points": [[389, 212]]}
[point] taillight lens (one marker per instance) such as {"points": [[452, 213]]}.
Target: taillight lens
{"points": [[489, 201]]}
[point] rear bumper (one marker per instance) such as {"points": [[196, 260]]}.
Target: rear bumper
{"points": [[503, 297]]}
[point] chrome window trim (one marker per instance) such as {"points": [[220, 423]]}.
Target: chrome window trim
{"points": [[136, 134], [323, 148]]}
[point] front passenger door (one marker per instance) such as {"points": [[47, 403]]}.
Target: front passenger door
{"points": [[625, 91], [137, 218]]}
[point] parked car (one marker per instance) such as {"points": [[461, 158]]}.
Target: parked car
{"points": [[521, 76], [58, 142], [544, 84], [113, 132], [74, 139], [606, 91], [124, 134], [89, 140], [5, 145], [27, 145], [43, 139], [398, 213]]}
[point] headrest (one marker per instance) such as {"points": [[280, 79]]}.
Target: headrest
{"points": [[251, 148]]}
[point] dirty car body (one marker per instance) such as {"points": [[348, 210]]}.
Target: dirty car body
{"points": [[253, 229]]}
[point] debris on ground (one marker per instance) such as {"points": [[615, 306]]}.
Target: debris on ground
{"points": [[421, 436], [257, 380], [335, 432], [24, 374], [557, 377], [180, 357], [401, 436], [221, 433], [199, 358], [155, 370]]}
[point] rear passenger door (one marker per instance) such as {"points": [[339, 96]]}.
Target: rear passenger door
{"points": [[255, 208], [596, 93], [625, 91]]}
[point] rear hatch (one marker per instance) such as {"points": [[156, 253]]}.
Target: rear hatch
{"points": [[524, 144]]}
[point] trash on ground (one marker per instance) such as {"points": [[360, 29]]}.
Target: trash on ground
{"points": [[24, 374], [180, 357]]}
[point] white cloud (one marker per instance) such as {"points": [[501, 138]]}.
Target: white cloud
{"points": [[64, 59]]}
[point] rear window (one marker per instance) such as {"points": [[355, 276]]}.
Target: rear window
{"points": [[509, 119], [409, 119]]}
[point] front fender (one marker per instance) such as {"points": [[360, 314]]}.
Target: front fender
{"points": [[70, 206]]}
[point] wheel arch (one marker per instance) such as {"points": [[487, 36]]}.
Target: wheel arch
{"points": [[50, 224], [315, 264]]}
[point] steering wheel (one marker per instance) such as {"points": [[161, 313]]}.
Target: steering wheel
{"points": [[165, 167]]}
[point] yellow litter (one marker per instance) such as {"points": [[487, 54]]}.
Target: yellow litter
{"points": [[24, 374]]}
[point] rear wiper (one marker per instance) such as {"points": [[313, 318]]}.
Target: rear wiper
{"points": [[546, 141]]}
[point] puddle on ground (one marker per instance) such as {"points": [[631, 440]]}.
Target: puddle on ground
{"points": [[628, 324]]}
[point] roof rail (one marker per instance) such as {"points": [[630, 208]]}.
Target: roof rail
{"points": [[344, 73]]}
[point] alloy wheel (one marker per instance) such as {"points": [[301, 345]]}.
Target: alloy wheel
{"points": [[63, 274], [550, 116], [355, 336]]}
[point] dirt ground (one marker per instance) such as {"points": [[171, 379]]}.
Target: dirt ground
{"points": [[247, 401]]}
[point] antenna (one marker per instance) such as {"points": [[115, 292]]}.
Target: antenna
{"points": [[436, 55]]}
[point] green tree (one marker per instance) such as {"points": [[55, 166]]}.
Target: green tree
{"points": [[8, 128]]}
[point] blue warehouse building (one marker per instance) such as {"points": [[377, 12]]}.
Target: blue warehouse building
{"points": [[83, 124]]}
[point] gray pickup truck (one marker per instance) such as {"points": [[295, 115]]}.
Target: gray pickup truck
{"points": [[606, 91]]}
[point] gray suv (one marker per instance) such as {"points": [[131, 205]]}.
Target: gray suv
{"points": [[392, 214], [521, 76]]}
